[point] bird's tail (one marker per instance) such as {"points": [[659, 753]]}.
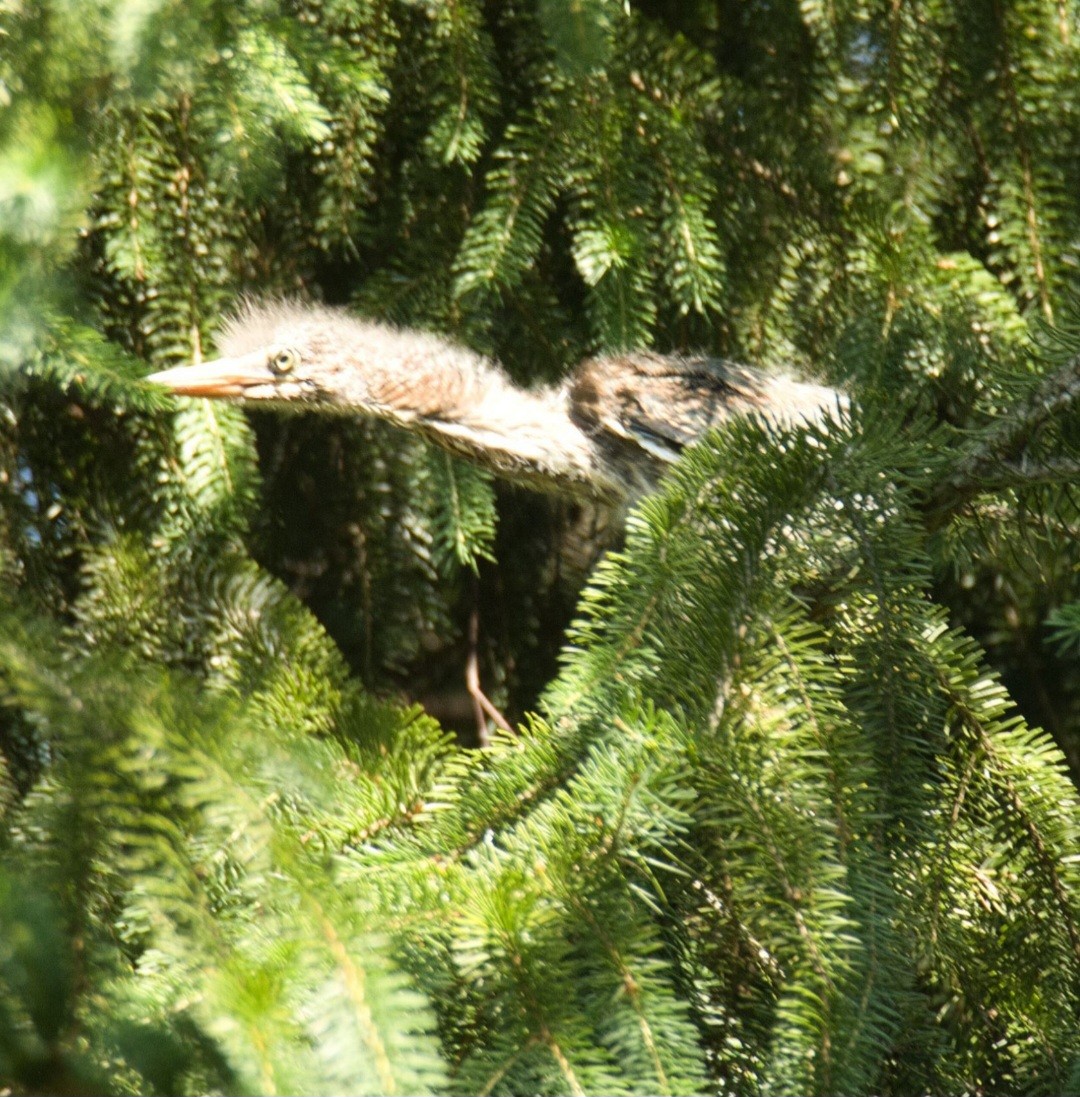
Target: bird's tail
{"points": [[788, 403]]}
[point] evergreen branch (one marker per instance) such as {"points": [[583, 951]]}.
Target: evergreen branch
{"points": [[506, 1066], [941, 862], [356, 991], [1050, 471], [601, 669], [465, 516], [795, 897], [551, 777], [771, 175], [997, 460], [844, 828], [1049, 865], [889, 625], [1031, 216], [557, 1053], [630, 986], [403, 818]]}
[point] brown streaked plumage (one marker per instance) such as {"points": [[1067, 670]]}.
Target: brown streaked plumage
{"points": [[607, 434]]}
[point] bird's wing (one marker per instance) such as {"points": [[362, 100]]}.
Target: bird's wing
{"points": [[662, 403]]}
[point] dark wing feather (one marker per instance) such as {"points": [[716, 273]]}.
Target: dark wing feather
{"points": [[659, 402]]}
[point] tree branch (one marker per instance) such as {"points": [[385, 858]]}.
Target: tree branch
{"points": [[999, 461]]}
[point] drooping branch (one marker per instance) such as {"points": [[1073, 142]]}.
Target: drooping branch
{"points": [[1000, 459]]}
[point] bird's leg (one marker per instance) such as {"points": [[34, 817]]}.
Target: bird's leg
{"points": [[482, 706]]}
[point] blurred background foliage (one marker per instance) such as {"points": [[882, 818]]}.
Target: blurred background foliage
{"points": [[780, 824]]}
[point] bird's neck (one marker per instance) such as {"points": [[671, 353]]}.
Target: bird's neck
{"points": [[527, 437], [467, 405]]}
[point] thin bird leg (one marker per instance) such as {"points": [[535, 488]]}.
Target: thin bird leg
{"points": [[483, 707]]}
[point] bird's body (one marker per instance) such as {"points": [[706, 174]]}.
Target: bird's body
{"points": [[607, 434]]}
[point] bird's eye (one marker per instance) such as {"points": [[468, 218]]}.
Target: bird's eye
{"points": [[283, 361]]}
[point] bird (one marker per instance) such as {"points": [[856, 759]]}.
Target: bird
{"points": [[603, 438], [605, 435]]}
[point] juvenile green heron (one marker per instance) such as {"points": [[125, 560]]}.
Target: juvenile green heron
{"points": [[606, 434]]}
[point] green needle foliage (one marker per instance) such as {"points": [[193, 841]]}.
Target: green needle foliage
{"points": [[777, 816]]}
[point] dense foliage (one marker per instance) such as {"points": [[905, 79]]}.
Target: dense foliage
{"points": [[776, 819]]}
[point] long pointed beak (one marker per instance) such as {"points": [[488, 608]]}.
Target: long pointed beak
{"points": [[223, 377]]}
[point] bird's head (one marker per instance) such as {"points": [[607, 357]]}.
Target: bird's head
{"points": [[280, 354]]}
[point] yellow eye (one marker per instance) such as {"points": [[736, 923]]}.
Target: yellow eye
{"points": [[283, 361]]}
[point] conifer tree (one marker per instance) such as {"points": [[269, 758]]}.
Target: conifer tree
{"points": [[778, 814]]}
